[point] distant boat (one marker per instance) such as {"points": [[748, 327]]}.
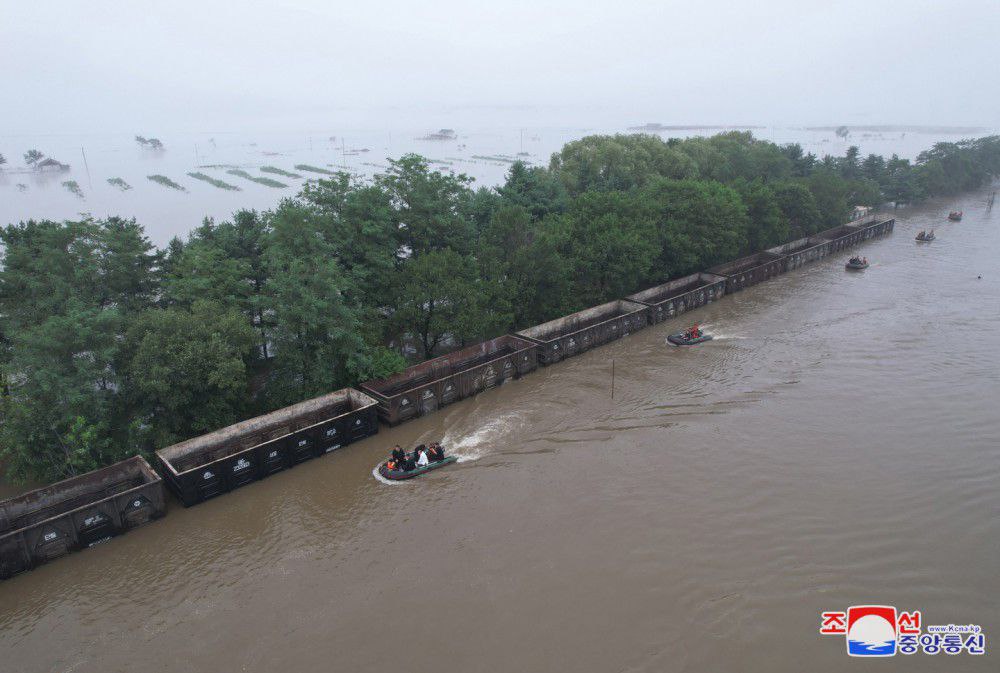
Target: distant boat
{"points": [[926, 237], [955, 216]]}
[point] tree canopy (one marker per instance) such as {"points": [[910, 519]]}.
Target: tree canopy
{"points": [[109, 346]]}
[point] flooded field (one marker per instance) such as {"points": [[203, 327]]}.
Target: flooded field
{"points": [[836, 444], [228, 158]]}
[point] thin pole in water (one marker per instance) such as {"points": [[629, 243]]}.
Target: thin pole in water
{"points": [[612, 378], [90, 183]]}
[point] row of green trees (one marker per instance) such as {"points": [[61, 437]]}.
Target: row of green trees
{"points": [[109, 347]]}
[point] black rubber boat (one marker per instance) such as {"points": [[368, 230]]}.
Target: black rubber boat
{"points": [[857, 266], [925, 238], [681, 339], [399, 475]]}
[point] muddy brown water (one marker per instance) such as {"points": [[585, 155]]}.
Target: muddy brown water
{"points": [[837, 444]]}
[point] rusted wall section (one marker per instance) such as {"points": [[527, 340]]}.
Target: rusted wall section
{"points": [[749, 270], [573, 334], [220, 461], [425, 387], [677, 296], [77, 513]]}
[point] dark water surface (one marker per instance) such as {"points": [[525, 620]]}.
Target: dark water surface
{"points": [[837, 444]]}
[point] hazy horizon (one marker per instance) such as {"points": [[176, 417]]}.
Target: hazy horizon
{"points": [[114, 67]]}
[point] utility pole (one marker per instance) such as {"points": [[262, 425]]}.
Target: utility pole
{"points": [[90, 184]]}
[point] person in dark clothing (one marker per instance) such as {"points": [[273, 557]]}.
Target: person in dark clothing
{"points": [[398, 454], [409, 463], [437, 452]]}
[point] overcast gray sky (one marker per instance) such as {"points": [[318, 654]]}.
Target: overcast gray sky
{"points": [[72, 66]]}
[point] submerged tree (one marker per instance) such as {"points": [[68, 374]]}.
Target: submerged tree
{"points": [[32, 157]]}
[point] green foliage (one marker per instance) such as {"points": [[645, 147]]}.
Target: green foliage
{"points": [[187, 371], [441, 297], [768, 225], [315, 333], [73, 188], [149, 143], [109, 346], [612, 245], [165, 181], [798, 205], [618, 162], [428, 206], [215, 182], [314, 169], [120, 184], [699, 224], [279, 171], [3, 160], [32, 157], [537, 190], [267, 182]]}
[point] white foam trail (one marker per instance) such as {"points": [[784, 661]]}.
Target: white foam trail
{"points": [[718, 335], [473, 446]]}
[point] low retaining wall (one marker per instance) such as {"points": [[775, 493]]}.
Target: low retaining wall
{"points": [[573, 334], [77, 513], [423, 388], [878, 228], [212, 464], [749, 270], [802, 251], [677, 296]]}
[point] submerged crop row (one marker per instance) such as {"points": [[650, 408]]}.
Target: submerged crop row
{"points": [[165, 181], [215, 182], [279, 171], [267, 182]]}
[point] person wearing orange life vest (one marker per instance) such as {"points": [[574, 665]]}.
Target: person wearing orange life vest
{"points": [[694, 332]]}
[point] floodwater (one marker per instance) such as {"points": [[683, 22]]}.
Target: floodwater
{"points": [[482, 153], [837, 444]]}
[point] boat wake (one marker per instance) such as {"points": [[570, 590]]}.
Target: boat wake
{"points": [[474, 446], [388, 482]]}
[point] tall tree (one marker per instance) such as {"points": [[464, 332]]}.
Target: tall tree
{"points": [[187, 372], [316, 334], [699, 224], [428, 206], [619, 162]]}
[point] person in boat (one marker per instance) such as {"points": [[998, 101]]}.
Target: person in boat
{"points": [[422, 459], [408, 463], [694, 332], [436, 452], [391, 464], [398, 454]]}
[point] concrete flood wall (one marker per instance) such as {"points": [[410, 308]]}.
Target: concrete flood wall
{"points": [[680, 295], [80, 512], [212, 464], [750, 270], [573, 334], [802, 251], [425, 387]]}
